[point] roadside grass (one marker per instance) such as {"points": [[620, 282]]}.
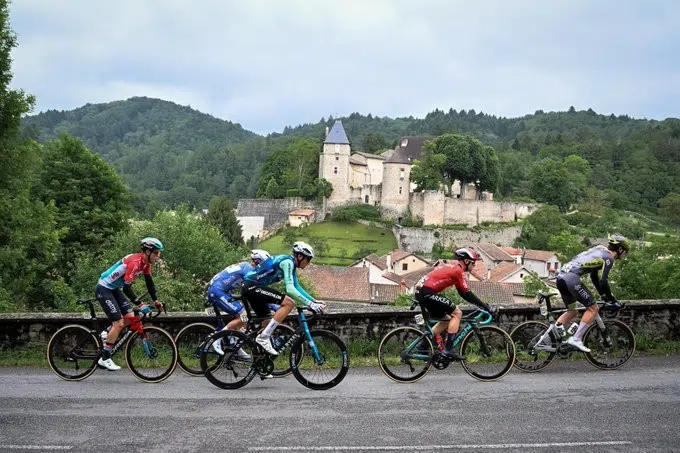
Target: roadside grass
{"points": [[362, 352], [344, 241]]}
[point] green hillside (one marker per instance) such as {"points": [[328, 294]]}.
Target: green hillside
{"points": [[344, 242]]}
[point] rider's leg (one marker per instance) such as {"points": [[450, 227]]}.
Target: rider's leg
{"points": [[586, 320], [260, 300], [586, 299], [565, 284], [287, 306]]}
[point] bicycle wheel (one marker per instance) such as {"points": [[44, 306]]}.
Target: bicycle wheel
{"points": [[188, 342], [612, 348], [529, 355], [72, 352], [236, 367], [489, 353], [405, 354], [279, 340], [151, 357], [322, 367]]}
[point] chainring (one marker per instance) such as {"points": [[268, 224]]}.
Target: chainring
{"points": [[439, 361], [264, 366]]}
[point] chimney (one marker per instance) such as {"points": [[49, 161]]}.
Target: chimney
{"points": [[326, 131], [388, 261]]}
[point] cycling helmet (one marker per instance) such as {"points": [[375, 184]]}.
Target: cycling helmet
{"points": [[152, 244], [466, 254], [618, 242], [303, 249], [259, 255]]}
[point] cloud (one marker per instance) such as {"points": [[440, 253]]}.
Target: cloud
{"points": [[267, 64]]}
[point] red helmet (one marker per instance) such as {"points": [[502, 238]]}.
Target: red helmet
{"points": [[466, 254]]}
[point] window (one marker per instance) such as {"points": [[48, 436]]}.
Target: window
{"points": [[335, 171], [336, 157], [404, 142], [548, 266], [521, 275], [399, 190], [404, 267], [366, 199], [401, 173]]}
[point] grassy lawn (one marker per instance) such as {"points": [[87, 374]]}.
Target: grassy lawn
{"points": [[343, 240]]}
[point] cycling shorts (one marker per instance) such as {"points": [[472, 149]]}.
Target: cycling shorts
{"points": [[113, 302], [572, 290], [260, 299], [223, 300], [436, 305]]}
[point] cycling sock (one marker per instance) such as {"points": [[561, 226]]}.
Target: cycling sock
{"points": [[107, 351], [581, 330], [269, 329]]}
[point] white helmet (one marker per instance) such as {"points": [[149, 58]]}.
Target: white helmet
{"points": [[259, 255], [303, 249]]}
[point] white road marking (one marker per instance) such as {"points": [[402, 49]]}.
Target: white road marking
{"points": [[36, 447], [443, 447]]}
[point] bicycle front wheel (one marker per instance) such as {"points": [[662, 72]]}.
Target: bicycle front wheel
{"points": [[72, 352], [611, 348], [321, 363], [151, 357], [236, 367], [489, 353], [188, 342], [405, 354], [534, 350]]}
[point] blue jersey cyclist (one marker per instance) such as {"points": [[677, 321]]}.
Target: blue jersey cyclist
{"points": [[277, 268], [224, 283], [591, 262]]}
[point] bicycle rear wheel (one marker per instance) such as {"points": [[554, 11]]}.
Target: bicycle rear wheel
{"points": [[236, 367], [489, 353], [72, 352], [612, 348], [529, 355], [151, 357], [405, 354], [188, 342], [323, 366]]}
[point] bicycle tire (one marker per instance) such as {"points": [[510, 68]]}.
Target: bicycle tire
{"points": [[217, 372], [492, 364], [302, 359], [77, 345], [188, 341], [161, 358], [392, 356], [527, 359], [615, 355]]}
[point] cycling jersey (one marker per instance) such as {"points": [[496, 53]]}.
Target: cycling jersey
{"points": [[590, 262], [125, 271], [222, 284], [444, 276], [275, 269]]}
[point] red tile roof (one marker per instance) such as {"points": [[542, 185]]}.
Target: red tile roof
{"points": [[511, 251], [503, 270], [518, 289], [302, 212], [384, 293], [339, 282], [539, 255], [492, 293], [494, 252]]}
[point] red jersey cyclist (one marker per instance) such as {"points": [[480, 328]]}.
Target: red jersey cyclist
{"points": [[428, 291], [112, 300]]}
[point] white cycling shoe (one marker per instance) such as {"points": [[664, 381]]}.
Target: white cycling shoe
{"points": [[108, 364], [266, 345], [243, 355], [578, 344], [217, 346]]}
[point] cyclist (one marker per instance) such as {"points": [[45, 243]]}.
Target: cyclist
{"points": [[219, 294], [112, 300], [445, 275], [572, 290], [277, 268]]}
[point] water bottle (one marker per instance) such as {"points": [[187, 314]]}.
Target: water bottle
{"points": [[105, 334], [559, 330], [542, 307], [440, 342], [572, 328]]}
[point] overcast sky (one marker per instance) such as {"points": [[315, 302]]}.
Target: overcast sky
{"points": [[268, 64]]}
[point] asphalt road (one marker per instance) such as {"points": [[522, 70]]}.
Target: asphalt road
{"points": [[570, 406]]}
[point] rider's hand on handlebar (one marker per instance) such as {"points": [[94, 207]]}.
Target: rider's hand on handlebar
{"points": [[493, 311], [143, 308], [317, 307]]}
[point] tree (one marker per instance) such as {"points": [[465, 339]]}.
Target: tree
{"points": [[222, 215], [273, 189], [566, 245], [374, 141], [92, 202], [427, 173], [540, 226], [28, 239], [670, 207], [550, 184]]}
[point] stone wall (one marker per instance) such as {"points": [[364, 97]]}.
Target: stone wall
{"points": [[422, 240], [275, 212], [660, 318], [437, 209]]}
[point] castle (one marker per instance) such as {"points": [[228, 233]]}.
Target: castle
{"points": [[383, 180]]}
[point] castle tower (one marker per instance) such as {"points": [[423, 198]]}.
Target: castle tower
{"points": [[334, 164], [396, 185]]}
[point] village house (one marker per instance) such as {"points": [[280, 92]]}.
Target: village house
{"points": [[301, 217]]}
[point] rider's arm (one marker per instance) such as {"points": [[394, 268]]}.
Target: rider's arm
{"points": [[470, 297], [301, 289], [151, 287], [602, 284], [289, 279], [127, 289]]}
